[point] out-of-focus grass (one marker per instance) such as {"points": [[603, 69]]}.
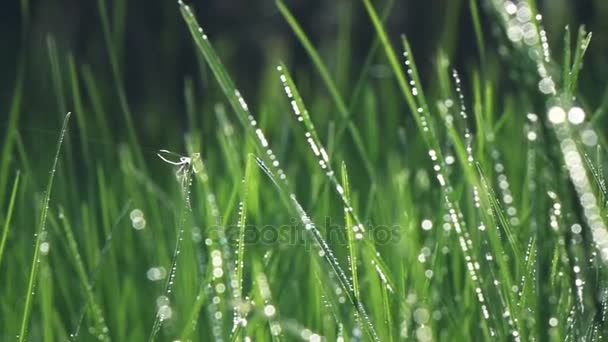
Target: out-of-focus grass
{"points": [[338, 202]]}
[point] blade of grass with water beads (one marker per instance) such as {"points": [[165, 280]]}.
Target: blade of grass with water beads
{"points": [[220, 250], [242, 223], [240, 252], [326, 251], [269, 308], [33, 277], [320, 153], [582, 43], [329, 83], [185, 179], [350, 234], [101, 329]]}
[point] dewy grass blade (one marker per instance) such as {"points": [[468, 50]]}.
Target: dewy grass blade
{"points": [[269, 308], [31, 287], [99, 328], [326, 252], [242, 222], [329, 83], [184, 174], [320, 153], [350, 234], [9, 215], [240, 252]]}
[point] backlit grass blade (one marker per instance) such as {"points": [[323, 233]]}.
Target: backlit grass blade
{"points": [[420, 111], [329, 83], [326, 252], [350, 234], [582, 43], [320, 153], [242, 223], [33, 277]]}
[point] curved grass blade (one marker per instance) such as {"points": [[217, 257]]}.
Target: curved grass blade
{"points": [[329, 83], [326, 251], [317, 148], [31, 286]]}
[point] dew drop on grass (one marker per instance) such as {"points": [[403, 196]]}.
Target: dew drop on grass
{"points": [[553, 322], [138, 223], [556, 115], [165, 313], [426, 224], [45, 248], [136, 213], [576, 115], [546, 85], [156, 273], [269, 310]]}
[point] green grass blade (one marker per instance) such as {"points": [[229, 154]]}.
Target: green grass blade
{"points": [[327, 253], [350, 234], [318, 149], [11, 134], [33, 277], [9, 215], [94, 275], [478, 31], [100, 328], [119, 84], [242, 224], [329, 83], [582, 43], [79, 109]]}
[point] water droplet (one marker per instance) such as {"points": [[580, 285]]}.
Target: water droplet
{"points": [[576, 115], [557, 115]]}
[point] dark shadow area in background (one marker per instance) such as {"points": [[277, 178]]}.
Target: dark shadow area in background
{"points": [[157, 50]]}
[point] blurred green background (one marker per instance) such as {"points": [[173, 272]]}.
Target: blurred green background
{"points": [[155, 52]]}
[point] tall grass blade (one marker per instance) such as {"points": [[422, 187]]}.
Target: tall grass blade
{"points": [[9, 215], [329, 83], [33, 277]]}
